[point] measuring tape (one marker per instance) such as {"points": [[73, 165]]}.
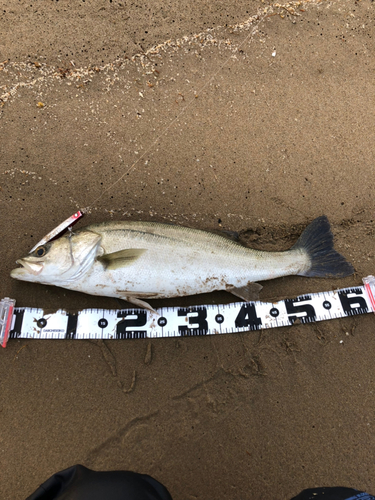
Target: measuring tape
{"points": [[30, 323]]}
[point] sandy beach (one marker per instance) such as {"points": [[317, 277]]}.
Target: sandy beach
{"points": [[243, 116]]}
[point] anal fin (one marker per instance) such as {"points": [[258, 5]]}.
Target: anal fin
{"points": [[249, 292]]}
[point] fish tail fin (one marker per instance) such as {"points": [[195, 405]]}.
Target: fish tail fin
{"points": [[317, 242]]}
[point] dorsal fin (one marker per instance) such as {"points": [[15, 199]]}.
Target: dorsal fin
{"points": [[230, 235]]}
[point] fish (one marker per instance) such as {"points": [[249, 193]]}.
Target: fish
{"points": [[141, 261]]}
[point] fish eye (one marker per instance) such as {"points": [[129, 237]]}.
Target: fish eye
{"points": [[40, 251]]}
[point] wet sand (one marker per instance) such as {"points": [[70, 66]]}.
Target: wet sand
{"points": [[243, 116]]}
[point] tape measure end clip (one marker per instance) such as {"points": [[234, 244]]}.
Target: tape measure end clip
{"points": [[6, 316], [369, 282]]}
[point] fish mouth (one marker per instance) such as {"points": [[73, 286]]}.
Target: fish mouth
{"points": [[28, 267]]}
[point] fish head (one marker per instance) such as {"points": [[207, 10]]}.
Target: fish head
{"points": [[59, 262]]}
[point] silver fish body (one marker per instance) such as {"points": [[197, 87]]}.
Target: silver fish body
{"points": [[138, 261]]}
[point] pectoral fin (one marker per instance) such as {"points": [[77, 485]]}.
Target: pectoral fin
{"points": [[123, 258], [249, 293]]}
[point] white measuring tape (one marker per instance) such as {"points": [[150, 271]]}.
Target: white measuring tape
{"points": [[30, 323]]}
